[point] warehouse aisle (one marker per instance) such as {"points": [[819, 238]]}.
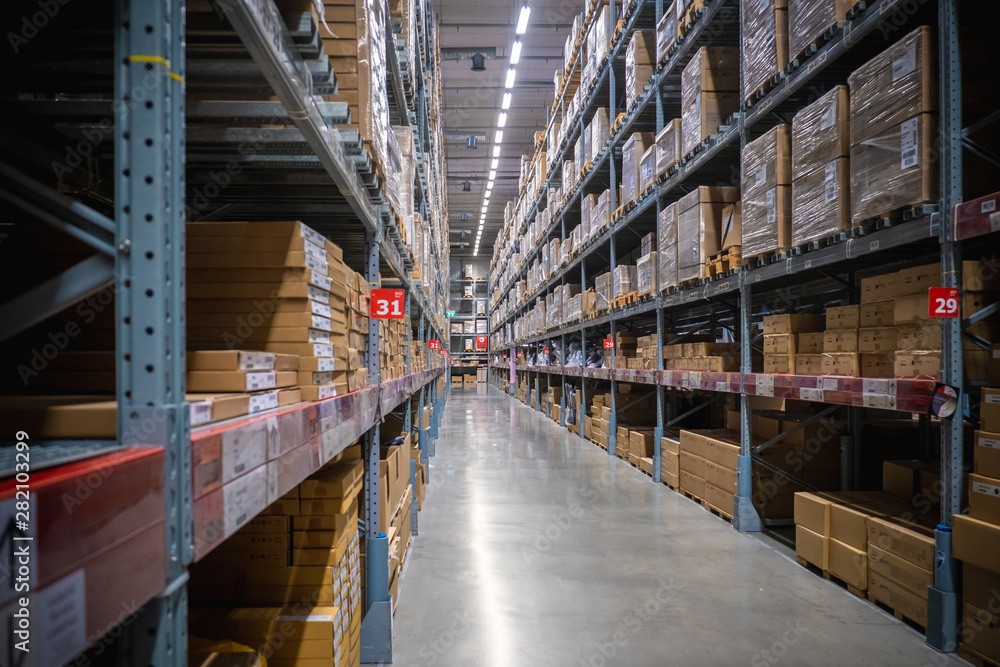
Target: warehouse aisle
{"points": [[537, 548]]}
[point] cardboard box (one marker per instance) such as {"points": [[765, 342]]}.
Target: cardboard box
{"points": [[849, 525], [843, 317], [840, 340], [698, 228], [821, 131], [724, 479], [917, 363], [900, 478], [989, 409], [916, 547], [909, 576], [848, 563], [897, 597], [779, 344], [986, 454], [779, 363], [878, 314], [719, 498], [976, 543], [809, 342], [809, 364], [812, 512], [984, 498], [791, 323], [812, 547], [841, 363], [692, 464], [880, 365], [979, 586], [981, 632], [692, 483], [692, 443], [877, 340]]}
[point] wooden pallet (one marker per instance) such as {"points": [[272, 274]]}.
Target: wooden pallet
{"points": [[831, 577], [690, 496], [898, 215], [675, 489], [976, 658], [763, 258], [724, 262], [900, 616], [625, 300], [725, 516], [823, 242]]}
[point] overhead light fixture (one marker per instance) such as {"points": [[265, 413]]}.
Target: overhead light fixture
{"points": [[485, 208], [496, 151], [495, 163], [472, 143], [465, 217], [493, 174], [506, 102], [466, 186], [511, 73], [515, 52], [478, 62], [502, 119], [499, 137], [522, 20]]}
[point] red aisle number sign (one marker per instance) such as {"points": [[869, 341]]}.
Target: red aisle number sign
{"points": [[545, 350], [388, 304], [481, 342], [943, 302], [609, 343], [433, 344]]}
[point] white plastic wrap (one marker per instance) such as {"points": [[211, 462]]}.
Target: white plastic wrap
{"points": [[809, 19], [600, 214], [698, 222], [645, 272], [623, 280], [765, 180], [600, 130], [764, 39], [666, 33], [709, 93], [632, 152], [603, 293], [668, 147], [639, 64], [666, 237], [821, 132], [647, 167]]}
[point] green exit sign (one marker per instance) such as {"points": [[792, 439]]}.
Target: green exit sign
{"points": [[451, 313]]}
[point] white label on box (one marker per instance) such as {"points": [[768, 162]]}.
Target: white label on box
{"points": [[870, 386], [201, 412], [244, 498], [320, 281], [995, 222], [908, 144], [996, 353], [310, 617], [993, 399], [317, 336], [829, 117], [992, 443], [307, 232], [322, 377], [986, 489], [327, 392], [807, 394], [761, 177], [314, 250], [317, 294], [830, 181], [265, 401], [904, 63], [765, 385], [326, 364], [772, 214], [243, 449], [60, 615], [257, 381], [320, 308], [321, 350], [988, 206], [321, 323], [830, 384], [694, 378], [317, 265], [256, 361]]}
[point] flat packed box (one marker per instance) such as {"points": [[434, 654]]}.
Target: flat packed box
{"points": [[841, 363], [809, 364], [765, 181], [793, 323], [917, 363]]}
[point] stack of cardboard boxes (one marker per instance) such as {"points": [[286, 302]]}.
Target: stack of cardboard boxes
{"points": [[666, 235], [764, 39], [783, 343], [229, 383], [977, 538], [273, 286], [699, 226], [392, 349], [640, 61], [710, 87], [706, 357], [766, 203], [646, 353]]}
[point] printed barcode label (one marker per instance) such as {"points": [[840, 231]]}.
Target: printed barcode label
{"points": [[322, 377], [908, 144], [904, 63], [765, 385], [265, 401], [987, 489], [320, 281], [317, 336], [317, 294], [772, 214], [721, 386], [988, 206], [320, 350], [256, 361], [317, 264], [992, 443], [257, 381], [829, 118], [321, 323], [314, 250], [308, 232], [807, 394], [992, 399], [201, 412], [327, 392], [761, 177], [831, 181], [829, 384]]}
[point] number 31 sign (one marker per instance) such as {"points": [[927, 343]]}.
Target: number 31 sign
{"points": [[388, 304], [942, 302]]}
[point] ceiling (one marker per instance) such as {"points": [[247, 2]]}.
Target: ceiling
{"points": [[472, 102]]}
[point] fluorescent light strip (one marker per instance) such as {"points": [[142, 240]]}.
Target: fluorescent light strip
{"points": [[506, 102], [515, 52], [499, 137], [495, 163], [493, 174], [522, 20], [496, 151], [502, 119], [511, 74]]}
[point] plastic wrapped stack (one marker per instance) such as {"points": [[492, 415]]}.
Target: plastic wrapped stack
{"points": [[600, 215], [698, 225], [821, 201], [668, 147], [645, 272], [894, 123], [808, 20], [600, 130], [710, 87], [764, 38], [647, 169], [640, 63], [603, 294], [666, 236], [632, 153], [666, 34], [623, 280], [766, 180]]}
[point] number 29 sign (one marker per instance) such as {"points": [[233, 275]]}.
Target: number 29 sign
{"points": [[942, 302], [388, 304]]}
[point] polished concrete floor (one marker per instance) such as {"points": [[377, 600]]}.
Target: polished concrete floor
{"points": [[537, 548]]}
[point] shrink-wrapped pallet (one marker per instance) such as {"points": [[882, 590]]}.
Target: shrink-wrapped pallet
{"points": [[623, 280], [698, 222], [821, 202], [645, 274], [600, 215], [632, 153], [600, 130], [602, 289], [764, 40], [766, 193], [640, 57], [808, 20], [666, 34], [647, 169], [668, 147], [709, 93], [666, 238]]}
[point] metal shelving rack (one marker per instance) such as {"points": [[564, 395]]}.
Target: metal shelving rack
{"points": [[160, 509], [799, 281], [465, 360]]}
